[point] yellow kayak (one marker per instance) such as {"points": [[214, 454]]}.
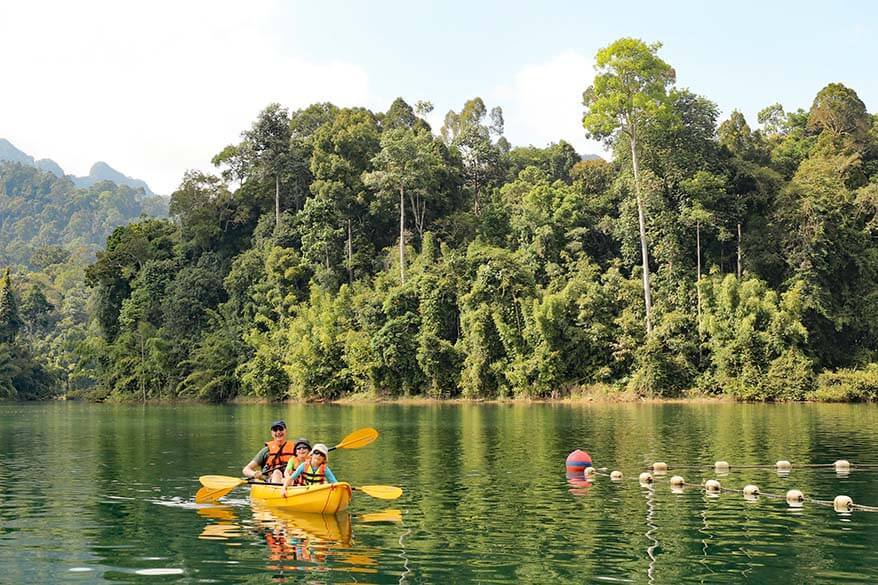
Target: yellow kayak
{"points": [[324, 498]]}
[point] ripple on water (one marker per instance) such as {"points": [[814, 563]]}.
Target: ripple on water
{"points": [[159, 571]]}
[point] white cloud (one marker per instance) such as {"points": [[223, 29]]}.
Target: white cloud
{"points": [[543, 103], [152, 88]]}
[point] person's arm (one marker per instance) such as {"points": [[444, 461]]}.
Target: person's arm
{"points": [[288, 479], [253, 470], [297, 472], [330, 477], [291, 467]]}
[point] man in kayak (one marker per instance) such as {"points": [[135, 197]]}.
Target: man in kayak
{"points": [[269, 463], [315, 470]]}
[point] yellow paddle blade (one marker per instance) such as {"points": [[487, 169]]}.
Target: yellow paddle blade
{"points": [[385, 516], [384, 492], [220, 481], [207, 494], [215, 487], [357, 439]]}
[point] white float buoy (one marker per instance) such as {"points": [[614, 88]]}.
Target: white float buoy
{"points": [[843, 504], [678, 480], [751, 492], [712, 485], [589, 471], [660, 467], [795, 498], [616, 476], [842, 465], [645, 478], [721, 467], [783, 465]]}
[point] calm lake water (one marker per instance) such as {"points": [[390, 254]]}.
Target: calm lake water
{"points": [[102, 493]]}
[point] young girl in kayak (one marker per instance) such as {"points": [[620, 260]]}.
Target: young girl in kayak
{"points": [[302, 450], [315, 470]]}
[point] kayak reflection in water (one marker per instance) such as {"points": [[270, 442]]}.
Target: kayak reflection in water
{"points": [[294, 538], [313, 471]]}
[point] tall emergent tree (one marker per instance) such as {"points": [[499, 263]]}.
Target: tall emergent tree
{"points": [[408, 163], [630, 89], [269, 140], [472, 137]]}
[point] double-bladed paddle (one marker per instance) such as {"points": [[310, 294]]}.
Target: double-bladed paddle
{"points": [[216, 486]]}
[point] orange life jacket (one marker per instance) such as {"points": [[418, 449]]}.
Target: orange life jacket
{"points": [[314, 476], [278, 455]]}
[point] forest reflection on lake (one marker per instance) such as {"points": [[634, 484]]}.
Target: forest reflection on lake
{"points": [[485, 495]]}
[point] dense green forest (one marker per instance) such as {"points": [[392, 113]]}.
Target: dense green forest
{"points": [[40, 212], [340, 251]]}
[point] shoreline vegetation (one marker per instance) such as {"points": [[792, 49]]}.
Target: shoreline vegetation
{"points": [[341, 255], [599, 394]]}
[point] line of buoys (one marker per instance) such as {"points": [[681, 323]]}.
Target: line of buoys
{"points": [[579, 463], [794, 498]]}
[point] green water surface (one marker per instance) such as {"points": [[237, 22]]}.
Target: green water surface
{"points": [[104, 493]]}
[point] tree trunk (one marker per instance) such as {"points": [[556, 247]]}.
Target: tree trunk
{"points": [[698, 276], [647, 296], [276, 201], [419, 210], [401, 235], [350, 254], [142, 360], [739, 250]]}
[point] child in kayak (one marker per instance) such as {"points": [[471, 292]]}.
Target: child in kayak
{"points": [[302, 450], [315, 470]]}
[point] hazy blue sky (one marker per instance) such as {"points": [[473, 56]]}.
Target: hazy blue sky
{"points": [[157, 88]]}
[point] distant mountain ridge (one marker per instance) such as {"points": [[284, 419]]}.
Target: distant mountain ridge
{"points": [[100, 171]]}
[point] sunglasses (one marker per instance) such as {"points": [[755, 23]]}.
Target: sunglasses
{"points": [[302, 448], [319, 453], [278, 430]]}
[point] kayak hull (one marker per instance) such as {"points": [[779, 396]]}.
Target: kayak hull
{"points": [[324, 498]]}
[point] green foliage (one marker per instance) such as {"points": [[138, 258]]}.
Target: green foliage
{"points": [[756, 338], [315, 347], [630, 85], [847, 385], [45, 217], [345, 251], [838, 111], [556, 161]]}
